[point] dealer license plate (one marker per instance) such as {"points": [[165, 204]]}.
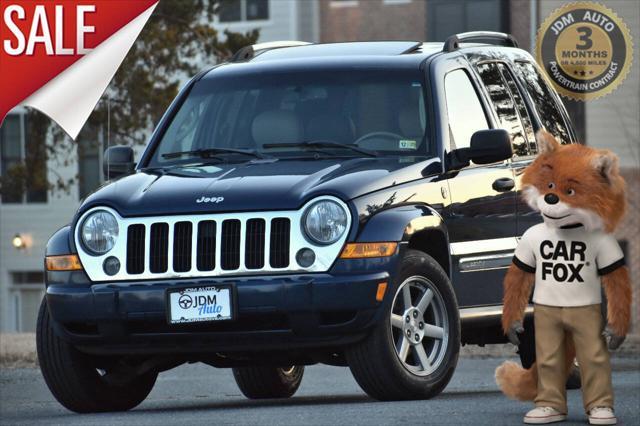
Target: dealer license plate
{"points": [[197, 304]]}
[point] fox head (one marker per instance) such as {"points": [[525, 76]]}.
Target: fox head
{"points": [[575, 184]]}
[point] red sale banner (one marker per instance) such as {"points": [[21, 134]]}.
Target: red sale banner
{"points": [[58, 56]]}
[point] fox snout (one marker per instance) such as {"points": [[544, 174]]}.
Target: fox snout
{"points": [[551, 198]]}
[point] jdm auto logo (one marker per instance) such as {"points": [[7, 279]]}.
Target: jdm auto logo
{"points": [[585, 49], [185, 301]]}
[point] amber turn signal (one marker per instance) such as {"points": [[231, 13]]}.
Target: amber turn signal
{"points": [[363, 250], [382, 289], [69, 262]]}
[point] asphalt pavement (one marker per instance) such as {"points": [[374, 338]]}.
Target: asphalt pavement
{"points": [[204, 396]]}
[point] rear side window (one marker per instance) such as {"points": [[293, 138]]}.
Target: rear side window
{"points": [[544, 100], [464, 109], [504, 104], [522, 108]]}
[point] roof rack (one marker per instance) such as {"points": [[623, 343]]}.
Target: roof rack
{"points": [[248, 52], [490, 37]]}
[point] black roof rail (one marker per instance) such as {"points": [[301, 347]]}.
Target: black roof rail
{"points": [[248, 52], [490, 37]]}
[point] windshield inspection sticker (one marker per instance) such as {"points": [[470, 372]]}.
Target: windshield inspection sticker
{"points": [[407, 144], [585, 49]]}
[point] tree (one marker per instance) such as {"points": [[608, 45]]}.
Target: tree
{"points": [[176, 42]]}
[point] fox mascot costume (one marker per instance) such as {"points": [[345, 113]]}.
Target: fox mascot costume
{"points": [[567, 259]]}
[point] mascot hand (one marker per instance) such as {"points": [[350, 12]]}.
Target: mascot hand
{"points": [[613, 340], [515, 329]]}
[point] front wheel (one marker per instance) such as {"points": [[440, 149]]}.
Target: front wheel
{"points": [[413, 353], [268, 382], [81, 382]]}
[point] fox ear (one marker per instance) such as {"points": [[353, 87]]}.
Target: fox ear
{"points": [[606, 163], [547, 143]]}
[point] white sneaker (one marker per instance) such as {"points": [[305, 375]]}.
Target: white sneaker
{"points": [[602, 416], [544, 415]]}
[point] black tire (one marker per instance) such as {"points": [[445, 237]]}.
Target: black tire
{"points": [[268, 382], [527, 353], [73, 379], [374, 362], [574, 381]]}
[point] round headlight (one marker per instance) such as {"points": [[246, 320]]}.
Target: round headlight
{"points": [[99, 232], [325, 222]]}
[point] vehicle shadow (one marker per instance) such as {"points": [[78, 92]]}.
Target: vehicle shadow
{"points": [[241, 403]]}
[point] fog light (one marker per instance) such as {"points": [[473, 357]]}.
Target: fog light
{"points": [[111, 265], [305, 257]]}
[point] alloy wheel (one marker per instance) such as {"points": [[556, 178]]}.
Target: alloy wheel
{"points": [[419, 326]]}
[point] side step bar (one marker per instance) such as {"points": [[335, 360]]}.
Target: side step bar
{"points": [[488, 314]]}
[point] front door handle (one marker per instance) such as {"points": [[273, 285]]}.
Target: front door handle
{"points": [[503, 184]]}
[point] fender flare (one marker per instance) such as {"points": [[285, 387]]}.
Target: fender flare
{"points": [[60, 242], [404, 223]]}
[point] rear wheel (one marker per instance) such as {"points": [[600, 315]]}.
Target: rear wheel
{"points": [[81, 382], [268, 382], [413, 353]]}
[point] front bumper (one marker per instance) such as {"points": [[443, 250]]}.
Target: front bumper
{"points": [[273, 313]]}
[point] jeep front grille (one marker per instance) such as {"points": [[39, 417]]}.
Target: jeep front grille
{"points": [[205, 240], [254, 243], [182, 247], [135, 249], [208, 245], [206, 250], [279, 243]]}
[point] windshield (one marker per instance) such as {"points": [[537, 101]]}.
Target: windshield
{"points": [[303, 114]]}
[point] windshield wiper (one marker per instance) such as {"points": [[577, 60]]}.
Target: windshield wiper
{"points": [[212, 152], [321, 144]]}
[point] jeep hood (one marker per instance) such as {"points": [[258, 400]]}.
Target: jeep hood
{"points": [[253, 186]]}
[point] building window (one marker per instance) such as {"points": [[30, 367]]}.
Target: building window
{"points": [[11, 154], [257, 10], [243, 10], [89, 160], [343, 3], [448, 17], [26, 292], [23, 160], [27, 277]]}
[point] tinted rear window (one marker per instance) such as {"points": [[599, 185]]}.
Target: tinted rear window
{"points": [[544, 100]]}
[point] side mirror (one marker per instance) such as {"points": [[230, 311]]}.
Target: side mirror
{"points": [[118, 161], [487, 146], [490, 146]]}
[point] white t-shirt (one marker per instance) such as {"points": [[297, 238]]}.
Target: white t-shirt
{"points": [[568, 263]]}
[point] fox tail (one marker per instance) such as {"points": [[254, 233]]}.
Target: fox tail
{"points": [[516, 382]]}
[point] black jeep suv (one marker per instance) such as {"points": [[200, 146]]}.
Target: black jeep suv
{"points": [[348, 204]]}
